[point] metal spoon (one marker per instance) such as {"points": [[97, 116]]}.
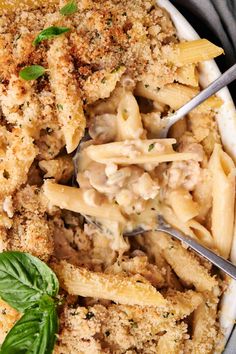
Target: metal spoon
{"points": [[225, 79], [205, 252]]}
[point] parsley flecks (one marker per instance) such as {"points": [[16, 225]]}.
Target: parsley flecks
{"points": [[69, 9], [49, 33], [116, 69], [89, 315], [151, 147], [166, 315], [133, 323], [32, 72], [59, 107]]}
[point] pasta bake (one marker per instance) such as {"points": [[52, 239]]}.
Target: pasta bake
{"points": [[84, 87]]}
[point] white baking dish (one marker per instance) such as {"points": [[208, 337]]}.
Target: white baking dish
{"points": [[227, 125]]}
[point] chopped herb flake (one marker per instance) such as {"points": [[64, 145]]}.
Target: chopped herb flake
{"points": [[59, 107], [18, 37], [69, 9], [89, 315], [166, 315], [116, 69], [107, 333], [146, 85], [32, 72], [49, 33], [151, 147], [133, 323]]}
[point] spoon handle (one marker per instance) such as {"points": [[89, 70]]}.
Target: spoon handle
{"points": [[215, 86], [218, 261]]}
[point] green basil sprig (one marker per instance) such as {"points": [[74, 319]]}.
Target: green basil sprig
{"points": [[30, 286], [69, 9], [32, 72], [35, 332], [49, 33]]}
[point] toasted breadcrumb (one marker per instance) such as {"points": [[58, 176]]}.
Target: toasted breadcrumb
{"points": [[8, 317], [30, 232], [86, 69], [95, 330]]}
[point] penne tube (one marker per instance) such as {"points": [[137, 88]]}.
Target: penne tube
{"points": [[146, 91], [74, 199], [191, 52], [177, 95], [137, 152], [183, 303], [68, 102], [121, 289], [204, 317], [191, 228], [129, 121], [177, 256], [187, 75], [183, 205], [223, 193]]}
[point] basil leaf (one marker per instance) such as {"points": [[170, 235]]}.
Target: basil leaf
{"points": [[32, 72], [24, 279], [50, 32], [34, 333], [69, 9]]}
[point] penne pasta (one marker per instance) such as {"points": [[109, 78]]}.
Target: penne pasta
{"points": [[223, 187], [183, 205], [191, 228], [146, 91], [187, 75], [191, 52], [74, 199], [177, 95], [194, 274], [64, 85], [129, 121], [137, 152], [183, 303], [118, 288], [203, 340]]}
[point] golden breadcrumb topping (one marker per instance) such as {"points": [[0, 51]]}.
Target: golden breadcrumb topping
{"points": [[111, 44]]}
